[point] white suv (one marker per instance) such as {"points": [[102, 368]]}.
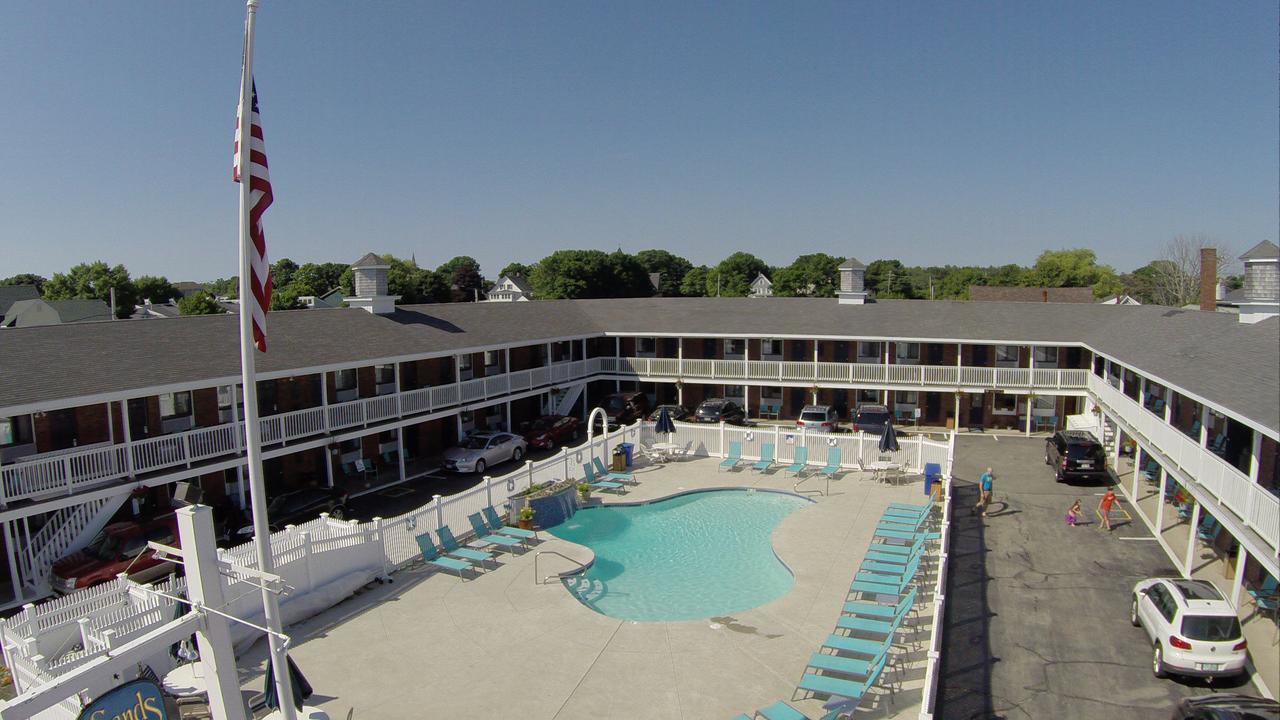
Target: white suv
{"points": [[819, 418], [1193, 629]]}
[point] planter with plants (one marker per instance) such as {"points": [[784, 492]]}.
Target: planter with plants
{"points": [[584, 491], [526, 517]]}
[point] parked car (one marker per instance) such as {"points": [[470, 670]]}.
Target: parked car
{"points": [[1075, 454], [1193, 629], [120, 547], [1226, 706], [871, 419], [484, 449], [713, 410], [677, 412], [818, 418], [299, 506], [548, 431], [625, 407]]}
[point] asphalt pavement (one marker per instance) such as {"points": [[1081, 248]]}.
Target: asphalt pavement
{"points": [[1037, 611]]}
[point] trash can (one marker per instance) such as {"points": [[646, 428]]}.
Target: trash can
{"points": [[932, 474], [618, 461], [627, 450]]}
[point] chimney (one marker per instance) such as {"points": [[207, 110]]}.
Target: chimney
{"points": [[1044, 295], [1208, 279]]}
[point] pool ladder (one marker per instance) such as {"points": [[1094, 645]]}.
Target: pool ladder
{"points": [[796, 487], [539, 579]]}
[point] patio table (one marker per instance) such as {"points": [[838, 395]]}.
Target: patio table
{"points": [[185, 680], [671, 450]]}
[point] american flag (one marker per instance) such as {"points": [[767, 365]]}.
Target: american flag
{"points": [[259, 200]]}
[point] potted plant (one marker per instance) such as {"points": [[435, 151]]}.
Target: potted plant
{"points": [[526, 518], [584, 491]]}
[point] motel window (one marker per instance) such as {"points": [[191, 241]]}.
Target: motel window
{"points": [[908, 397], [228, 393], [770, 347], [383, 374], [646, 345], [770, 393], [490, 358], [868, 349], [735, 391], [1005, 404], [868, 397], [1045, 403], [908, 351], [1007, 354], [175, 405], [735, 347], [344, 379], [1046, 355], [15, 430], [464, 362]]}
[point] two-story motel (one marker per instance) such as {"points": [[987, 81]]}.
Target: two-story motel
{"points": [[97, 418]]}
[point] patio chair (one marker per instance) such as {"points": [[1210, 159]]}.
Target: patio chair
{"points": [[602, 485], [799, 463], [781, 710], [1151, 471], [766, 458], [449, 544], [495, 523], [1208, 528], [1219, 445], [1195, 429], [611, 476], [734, 457], [1267, 597], [852, 689], [484, 536], [833, 463], [431, 556], [877, 610]]}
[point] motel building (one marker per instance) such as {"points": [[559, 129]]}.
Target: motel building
{"points": [[99, 421]]}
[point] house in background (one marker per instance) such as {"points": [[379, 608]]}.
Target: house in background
{"points": [[511, 289], [187, 287], [30, 313], [1006, 293], [761, 287], [1120, 300], [655, 279], [332, 299], [149, 310], [10, 294]]}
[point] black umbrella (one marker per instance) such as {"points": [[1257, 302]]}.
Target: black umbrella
{"points": [[889, 438], [301, 688], [664, 424]]}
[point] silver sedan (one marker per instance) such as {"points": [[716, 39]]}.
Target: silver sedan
{"points": [[484, 449]]}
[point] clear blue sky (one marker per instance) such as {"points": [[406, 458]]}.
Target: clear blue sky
{"points": [[930, 132]]}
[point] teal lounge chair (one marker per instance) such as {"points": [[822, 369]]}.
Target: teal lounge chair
{"points": [[495, 524], [889, 533], [735, 457], [611, 476], [878, 610], [833, 463], [766, 458], [782, 710], [601, 484], [856, 646], [799, 463], [484, 536], [909, 506], [852, 689], [451, 547], [431, 556]]}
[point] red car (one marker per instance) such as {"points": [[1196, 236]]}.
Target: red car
{"points": [[549, 431], [118, 547]]}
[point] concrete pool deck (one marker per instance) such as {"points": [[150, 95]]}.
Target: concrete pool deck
{"points": [[429, 645]]}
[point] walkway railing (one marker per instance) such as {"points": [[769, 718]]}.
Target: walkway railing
{"points": [[930, 696]]}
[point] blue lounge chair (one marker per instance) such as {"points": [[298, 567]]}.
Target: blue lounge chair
{"points": [[1208, 528], [495, 523], [601, 484], [799, 463], [882, 630], [451, 547], [856, 646], [1267, 597], [887, 533], [766, 458], [432, 556], [878, 610], [484, 536], [833, 463], [852, 689], [734, 457], [610, 475], [909, 506], [899, 515], [781, 710]]}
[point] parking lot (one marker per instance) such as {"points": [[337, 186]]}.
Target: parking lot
{"points": [[1037, 619]]}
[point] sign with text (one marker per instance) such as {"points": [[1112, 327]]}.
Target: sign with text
{"points": [[134, 700]]}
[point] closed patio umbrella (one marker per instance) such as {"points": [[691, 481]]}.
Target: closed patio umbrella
{"points": [[301, 688], [664, 424], [889, 438]]}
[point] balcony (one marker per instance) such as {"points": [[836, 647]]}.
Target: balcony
{"points": [[1253, 504], [942, 377], [64, 473]]}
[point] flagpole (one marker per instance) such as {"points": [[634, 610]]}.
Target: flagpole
{"points": [[248, 378]]}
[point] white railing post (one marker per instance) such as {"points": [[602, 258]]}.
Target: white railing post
{"points": [[488, 490], [306, 559], [439, 512], [528, 469], [723, 453], [66, 470]]}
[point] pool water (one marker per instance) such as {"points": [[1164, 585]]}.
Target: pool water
{"points": [[699, 555]]}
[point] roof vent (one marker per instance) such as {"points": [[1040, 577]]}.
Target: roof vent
{"points": [[852, 282], [1261, 282], [370, 285]]}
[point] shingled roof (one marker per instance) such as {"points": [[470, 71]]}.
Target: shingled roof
{"points": [[1004, 293]]}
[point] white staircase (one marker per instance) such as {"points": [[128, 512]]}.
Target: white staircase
{"points": [[66, 531], [567, 398]]}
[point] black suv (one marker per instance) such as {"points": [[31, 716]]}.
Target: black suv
{"points": [[1225, 706], [1074, 454], [716, 409]]}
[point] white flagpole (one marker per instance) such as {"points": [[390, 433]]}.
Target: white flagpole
{"points": [[248, 377]]}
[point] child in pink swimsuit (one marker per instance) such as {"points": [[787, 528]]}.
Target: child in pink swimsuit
{"points": [[1073, 514]]}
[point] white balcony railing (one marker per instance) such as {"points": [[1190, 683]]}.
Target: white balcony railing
{"points": [[1257, 507]]}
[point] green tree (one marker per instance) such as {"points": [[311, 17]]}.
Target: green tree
{"points": [[1074, 268], [95, 281], [282, 272], [462, 274], [1008, 275], [25, 279], [155, 288], [199, 303], [320, 278], [672, 268], [516, 269], [628, 277], [695, 281], [572, 274], [228, 287], [888, 279], [733, 276], [286, 298], [814, 275], [953, 283]]}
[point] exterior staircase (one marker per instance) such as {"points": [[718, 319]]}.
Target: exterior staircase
{"points": [[568, 396], [66, 531]]}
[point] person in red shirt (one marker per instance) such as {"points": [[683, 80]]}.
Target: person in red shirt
{"points": [[1104, 508]]}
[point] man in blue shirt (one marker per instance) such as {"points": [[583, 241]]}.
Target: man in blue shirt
{"points": [[984, 498]]}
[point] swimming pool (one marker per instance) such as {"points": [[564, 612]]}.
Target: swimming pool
{"points": [[697, 555]]}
